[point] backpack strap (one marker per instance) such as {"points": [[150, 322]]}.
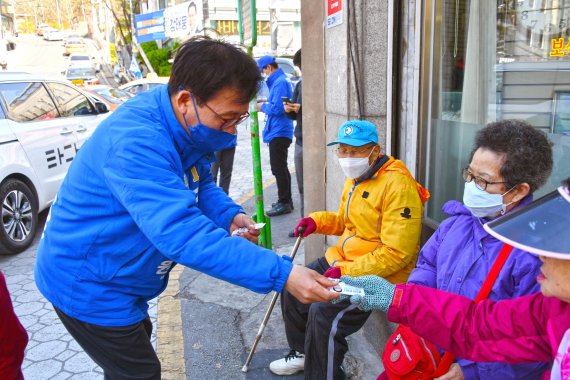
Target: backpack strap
{"points": [[448, 358]]}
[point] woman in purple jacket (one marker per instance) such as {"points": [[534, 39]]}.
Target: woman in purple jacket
{"points": [[511, 159], [526, 329]]}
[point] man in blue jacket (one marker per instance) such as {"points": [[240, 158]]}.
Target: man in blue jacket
{"points": [[278, 131], [139, 198]]}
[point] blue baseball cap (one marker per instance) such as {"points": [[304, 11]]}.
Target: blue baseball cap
{"points": [[264, 61], [356, 133]]}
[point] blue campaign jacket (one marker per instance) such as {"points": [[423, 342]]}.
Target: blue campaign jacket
{"points": [[277, 124], [139, 198], [457, 259]]}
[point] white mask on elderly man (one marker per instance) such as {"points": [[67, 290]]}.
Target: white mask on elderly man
{"points": [[355, 167]]}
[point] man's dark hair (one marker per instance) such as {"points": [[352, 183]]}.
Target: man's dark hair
{"points": [[566, 182], [297, 58], [205, 66], [192, 4], [526, 151], [274, 65]]}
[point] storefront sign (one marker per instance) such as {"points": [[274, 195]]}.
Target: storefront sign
{"points": [[558, 48], [334, 13], [230, 27]]}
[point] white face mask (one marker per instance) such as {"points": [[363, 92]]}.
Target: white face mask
{"points": [[481, 203], [355, 167]]}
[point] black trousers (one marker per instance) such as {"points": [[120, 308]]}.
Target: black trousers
{"points": [[320, 330], [123, 352], [224, 164], [278, 149]]}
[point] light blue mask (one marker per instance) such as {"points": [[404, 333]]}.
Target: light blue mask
{"points": [[481, 203]]}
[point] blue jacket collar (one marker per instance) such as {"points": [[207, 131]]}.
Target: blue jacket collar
{"points": [[273, 77], [185, 146]]}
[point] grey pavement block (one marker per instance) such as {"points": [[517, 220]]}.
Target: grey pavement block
{"points": [[29, 296], [16, 279], [30, 287], [79, 363], [211, 350], [229, 295], [66, 355], [41, 370], [94, 375], [45, 350], [49, 333], [62, 376], [28, 308]]}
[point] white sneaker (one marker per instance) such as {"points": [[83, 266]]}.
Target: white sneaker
{"points": [[292, 363]]}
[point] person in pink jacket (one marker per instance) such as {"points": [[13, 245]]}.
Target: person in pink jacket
{"points": [[520, 330]]}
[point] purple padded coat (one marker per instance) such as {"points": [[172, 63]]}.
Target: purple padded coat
{"points": [[457, 259]]}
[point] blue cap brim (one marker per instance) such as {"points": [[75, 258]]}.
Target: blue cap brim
{"points": [[351, 142], [540, 228]]}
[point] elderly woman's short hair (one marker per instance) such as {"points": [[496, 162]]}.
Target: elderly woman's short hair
{"points": [[526, 151]]}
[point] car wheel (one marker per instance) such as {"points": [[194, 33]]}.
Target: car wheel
{"points": [[19, 217]]}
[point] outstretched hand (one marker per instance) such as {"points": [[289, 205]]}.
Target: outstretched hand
{"points": [[378, 292], [309, 286], [241, 221]]}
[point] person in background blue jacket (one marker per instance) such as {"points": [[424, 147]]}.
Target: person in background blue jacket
{"points": [[139, 198], [510, 161], [278, 131]]}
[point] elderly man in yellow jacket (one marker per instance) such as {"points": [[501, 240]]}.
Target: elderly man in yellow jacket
{"points": [[379, 223]]}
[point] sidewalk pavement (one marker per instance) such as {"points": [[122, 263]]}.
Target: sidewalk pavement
{"points": [[219, 321]]}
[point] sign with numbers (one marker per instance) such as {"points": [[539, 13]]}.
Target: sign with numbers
{"points": [[334, 13]]}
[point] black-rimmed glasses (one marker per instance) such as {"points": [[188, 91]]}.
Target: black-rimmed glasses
{"points": [[481, 183]]}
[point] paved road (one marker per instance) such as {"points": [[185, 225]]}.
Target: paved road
{"points": [[51, 352]]}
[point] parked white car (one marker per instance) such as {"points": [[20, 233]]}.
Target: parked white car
{"points": [[51, 34], [84, 61], [43, 123]]}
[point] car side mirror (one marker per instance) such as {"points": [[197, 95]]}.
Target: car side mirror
{"points": [[101, 107]]}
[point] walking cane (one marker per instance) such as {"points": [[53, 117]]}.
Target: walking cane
{"points": [[271, 306]]}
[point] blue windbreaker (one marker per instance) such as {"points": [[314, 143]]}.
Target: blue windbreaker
{"points": [[139, 198], [277, 124], [457, 259]]}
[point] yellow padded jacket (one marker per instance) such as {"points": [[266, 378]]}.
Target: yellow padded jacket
{"points": [[379, 221]]}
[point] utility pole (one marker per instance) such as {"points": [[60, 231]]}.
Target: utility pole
{"points": [[1, 26], [58, 13]]}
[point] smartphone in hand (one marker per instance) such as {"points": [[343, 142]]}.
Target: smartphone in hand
{"points": [[286, 100]]}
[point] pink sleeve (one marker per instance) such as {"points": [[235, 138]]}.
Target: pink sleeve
{"points": [[510, 331]]}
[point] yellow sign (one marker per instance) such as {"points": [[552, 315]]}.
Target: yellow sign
{"points": [[559, 49], [113, 54], [230, 27]]}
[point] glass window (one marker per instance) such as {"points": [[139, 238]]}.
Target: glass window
{"points": [[71, 101], [28, 101], [491, 61]]}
